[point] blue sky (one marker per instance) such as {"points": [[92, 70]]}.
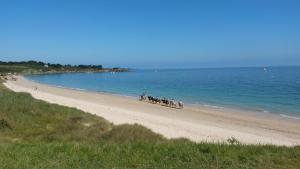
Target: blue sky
{"points": [[152, 33]]}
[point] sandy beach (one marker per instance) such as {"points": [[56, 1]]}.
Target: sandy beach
{"points": [[195, 123]]}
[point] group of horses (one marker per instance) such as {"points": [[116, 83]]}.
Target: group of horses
{"points": [[165, 102]]}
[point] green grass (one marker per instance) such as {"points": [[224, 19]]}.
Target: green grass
{"points": [[27, 120], [171, 154], [35, 134], [7, 68]]}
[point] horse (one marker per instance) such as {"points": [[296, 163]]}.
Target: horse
{"points": [[172, 103], [180, 104], [165, 101], [143, 96], [151, 99], [156, 100]]}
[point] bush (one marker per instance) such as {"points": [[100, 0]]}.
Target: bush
{"points": [[4, 125], [233, 140]]}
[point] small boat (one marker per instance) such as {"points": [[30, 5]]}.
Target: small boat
{"points": [[265, 69]]}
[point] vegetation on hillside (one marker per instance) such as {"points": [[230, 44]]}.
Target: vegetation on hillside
{"points": [[41, 67], [36, 134]]}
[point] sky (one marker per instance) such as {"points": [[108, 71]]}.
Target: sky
{"points": [[152, 33]]}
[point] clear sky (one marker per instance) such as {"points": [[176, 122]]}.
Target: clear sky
{"points": [[152, 33]]}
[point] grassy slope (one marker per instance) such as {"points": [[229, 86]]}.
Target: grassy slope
{"points": [[7, 68], [35, 134]]}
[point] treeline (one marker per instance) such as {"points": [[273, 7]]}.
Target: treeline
{"points": [[38, 63], [22, 62]]}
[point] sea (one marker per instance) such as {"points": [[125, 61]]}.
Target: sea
{"points": [[261, 89]]}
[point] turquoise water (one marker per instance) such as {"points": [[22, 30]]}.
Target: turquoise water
{"points": [[274, 89]]}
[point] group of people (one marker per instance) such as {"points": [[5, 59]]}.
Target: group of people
{"points": [[166, 102]]}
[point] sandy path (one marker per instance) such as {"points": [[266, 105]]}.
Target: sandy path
{"points": [[195, 123]]}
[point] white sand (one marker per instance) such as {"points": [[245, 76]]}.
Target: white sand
{"points": [[195, 123]]}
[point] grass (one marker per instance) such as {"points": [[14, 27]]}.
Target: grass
{"points": [[171, 154], [35, 134], [7, 68], [24, 119]]}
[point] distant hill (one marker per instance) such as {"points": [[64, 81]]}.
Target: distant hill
{"points": [[37, 67]]}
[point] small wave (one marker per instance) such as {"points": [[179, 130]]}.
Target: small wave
{"points": [[213, 106], [206, 105], [59, 86], [290, 117], [64, 87], [79, 89]]}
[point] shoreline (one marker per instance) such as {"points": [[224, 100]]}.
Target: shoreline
{"points": [[197, 123], [227, 107], [194, 105]]}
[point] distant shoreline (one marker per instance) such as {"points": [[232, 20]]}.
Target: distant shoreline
{"points": [[38, 67], [83, 71], [195, 123]]}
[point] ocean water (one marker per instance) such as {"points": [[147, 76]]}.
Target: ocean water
{"points": [[271, 89]]}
